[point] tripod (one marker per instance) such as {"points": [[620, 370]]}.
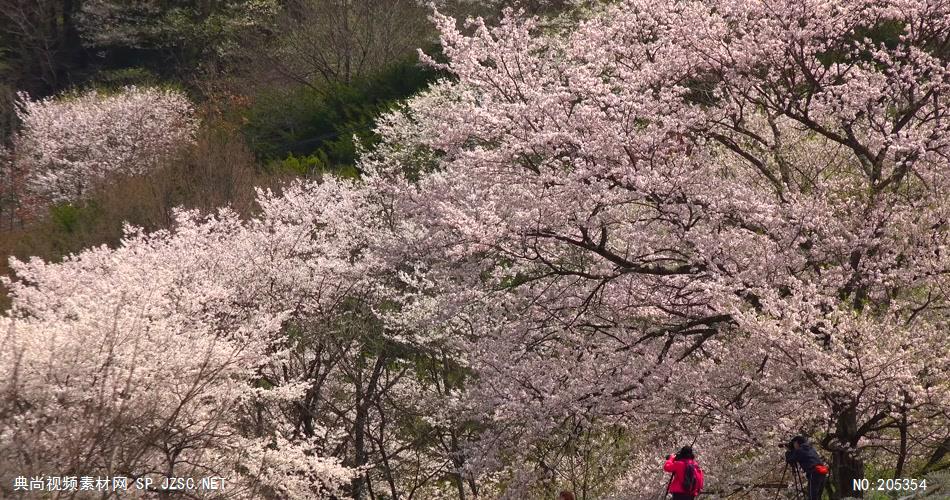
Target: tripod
{"points": [[798, 479], [667, 489]]}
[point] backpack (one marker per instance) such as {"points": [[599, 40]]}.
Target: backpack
{"points": [[690, 479]]}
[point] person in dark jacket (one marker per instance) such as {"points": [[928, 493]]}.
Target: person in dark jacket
{"points": [[683, 464], [800, 453]]}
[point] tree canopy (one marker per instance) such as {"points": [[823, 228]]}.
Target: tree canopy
{"points": [[586, 238]]}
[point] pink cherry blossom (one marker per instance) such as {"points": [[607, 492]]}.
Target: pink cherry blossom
{"points": [[70, 144]]}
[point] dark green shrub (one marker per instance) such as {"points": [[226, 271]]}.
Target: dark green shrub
{"points": [[283, 128]]}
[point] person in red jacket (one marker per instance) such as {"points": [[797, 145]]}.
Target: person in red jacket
{"points": [[687, 480]]}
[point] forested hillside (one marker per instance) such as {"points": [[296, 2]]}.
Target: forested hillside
{"points": [[394, 249]]}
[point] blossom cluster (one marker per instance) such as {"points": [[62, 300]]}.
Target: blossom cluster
{"points": [[147, 358], [719, 222], [70, 144]]}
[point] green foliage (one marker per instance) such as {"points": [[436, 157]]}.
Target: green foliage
{"points": [[176, 40], [310, 166], [69, 218], [302, 166], [123, 77], [312, 129], [886, 32], [938, 485]]}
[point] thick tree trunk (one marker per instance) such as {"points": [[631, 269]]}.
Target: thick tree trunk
{"points": [[902, 450], [845, 466], [457, 462], [359, 426], [937, 456], [845, 470]]}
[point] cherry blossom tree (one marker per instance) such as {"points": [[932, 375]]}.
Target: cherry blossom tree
{"points": [[716, 222], [655, 223], [371, 386], [140, 361], [249, 350], [69, 144]]}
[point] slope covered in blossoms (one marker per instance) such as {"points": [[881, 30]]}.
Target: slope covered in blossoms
{"points": [[648, 224]]}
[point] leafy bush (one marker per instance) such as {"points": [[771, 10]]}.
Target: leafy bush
{"points": [[322, 122], [309, 166], [122, 77]]}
